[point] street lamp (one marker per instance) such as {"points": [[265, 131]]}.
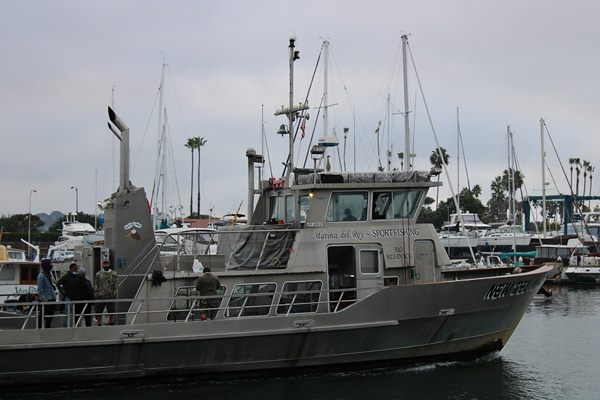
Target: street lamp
{"points": [[29, 221], [76, 199]]}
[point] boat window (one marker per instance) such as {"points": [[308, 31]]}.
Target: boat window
{"points": [[250, 300], [390, 280], [29, 274], [289, 208], [541, 252], [369, 261], [347, 206], [564, 253], [7, 273], [276, 209], [186, 242], [304, 208], [399, 204], [300, 297], [185, 298]]}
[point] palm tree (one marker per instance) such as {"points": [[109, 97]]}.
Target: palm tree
{"points": [[577, 172], [497, 204], [191, 144], [591, 171], [512, 179], [586, 168], [476, 191], [508, 175], [378, 150], [201, 142], [496, 186], [345, 136], [571, 162], [438, 158], [401, 157]]}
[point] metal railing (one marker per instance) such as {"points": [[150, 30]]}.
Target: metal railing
{"points": [[182, 309]]}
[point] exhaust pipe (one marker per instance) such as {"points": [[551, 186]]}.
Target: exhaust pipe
{"points": [[122, 133]]}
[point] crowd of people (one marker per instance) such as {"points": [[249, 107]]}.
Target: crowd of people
{"points": [[74, 286]]}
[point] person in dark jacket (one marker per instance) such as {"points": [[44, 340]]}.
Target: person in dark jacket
{"points": [[207, 285], [81, 289], [64, 288]]}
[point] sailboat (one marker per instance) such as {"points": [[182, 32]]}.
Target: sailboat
{"points": [[462, 232], [508, 235], [165, 181]]}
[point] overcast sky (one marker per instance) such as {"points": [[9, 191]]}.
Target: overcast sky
{"points": [[501, 63]]}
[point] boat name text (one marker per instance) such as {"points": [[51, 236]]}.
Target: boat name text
{"points": [[499, 291], [356, 235]]}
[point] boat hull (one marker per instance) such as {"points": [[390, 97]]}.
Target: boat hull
{"points": [[583, 274], [399, 324]]}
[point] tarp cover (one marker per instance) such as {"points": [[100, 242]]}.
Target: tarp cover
{"points": [[256, 246], [367, 177]]}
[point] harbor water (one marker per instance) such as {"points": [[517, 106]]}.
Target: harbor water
{"points": [[552, 354]]}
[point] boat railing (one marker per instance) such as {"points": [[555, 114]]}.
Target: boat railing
{"points": [[130, 312]]}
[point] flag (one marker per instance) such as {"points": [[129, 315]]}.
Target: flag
{"points": [[302, 126]]}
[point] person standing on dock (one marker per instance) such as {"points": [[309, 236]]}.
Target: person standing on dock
{"points": [[81, 289], [207, 285], [106, 288], [46, 293]]}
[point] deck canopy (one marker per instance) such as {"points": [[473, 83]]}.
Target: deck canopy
{"points": [[364, 177]]}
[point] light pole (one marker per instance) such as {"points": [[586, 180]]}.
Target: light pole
{"points": [[29, 221], [76, 199]]}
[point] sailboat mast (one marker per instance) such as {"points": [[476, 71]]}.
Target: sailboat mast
{"points": [[407, 155], [291, 114], [157, 167], [325, 93], [457, 161], [325, 86], [163, 168], [543, 178], [509, 176], [389, 148], [513, 202]]}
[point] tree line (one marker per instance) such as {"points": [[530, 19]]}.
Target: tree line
{"points": [[17, 226]]}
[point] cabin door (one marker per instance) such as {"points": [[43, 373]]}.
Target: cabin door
{"points": [[341, 272], [425, 261], [353, 273], [369, 271]]}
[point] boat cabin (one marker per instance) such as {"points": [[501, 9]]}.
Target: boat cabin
{"points": [[17, 275]]}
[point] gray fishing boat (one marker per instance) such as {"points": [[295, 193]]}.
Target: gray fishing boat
{"points": [[331, 271]]}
